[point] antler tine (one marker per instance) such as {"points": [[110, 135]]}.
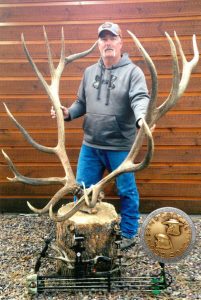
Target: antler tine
{"points": [[62, 255], [135, 150], [19, 177], [173, 95], [187, 66], [179, 85], [38, 73], [11, 166], [32, 181], [61, 193], [49, 54], [55, 73], [154, 77], [72, 57], [61, 64], [52, 90], [71, 212], [26, 134]]}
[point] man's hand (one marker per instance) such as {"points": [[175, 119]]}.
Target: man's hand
{"points": [[140, 122], [64, 110]]}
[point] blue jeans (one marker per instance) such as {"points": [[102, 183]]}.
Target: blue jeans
{"points": [[92, 163]]}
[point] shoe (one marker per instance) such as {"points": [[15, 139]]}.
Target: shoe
{"points": [[127, 243]]}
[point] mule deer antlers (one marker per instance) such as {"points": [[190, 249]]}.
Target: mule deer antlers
{"points": [[154, 113]]}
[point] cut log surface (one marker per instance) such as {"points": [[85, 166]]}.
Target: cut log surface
{"points": [[98, 231]]}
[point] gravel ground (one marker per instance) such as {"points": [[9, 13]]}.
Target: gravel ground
{"points": [[22, 238]]}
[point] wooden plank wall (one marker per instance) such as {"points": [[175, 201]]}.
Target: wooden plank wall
{"points": [[173, 178]]}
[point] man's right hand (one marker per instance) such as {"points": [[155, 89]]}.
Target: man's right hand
{"points": [[64, 110]]}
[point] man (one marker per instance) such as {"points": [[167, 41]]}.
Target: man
{"points": [[113, 98]]}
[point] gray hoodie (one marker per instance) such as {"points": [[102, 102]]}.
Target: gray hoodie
{"points": [[112, 100]]}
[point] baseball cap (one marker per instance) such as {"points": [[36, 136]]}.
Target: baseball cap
{"points": [[109, 26]]}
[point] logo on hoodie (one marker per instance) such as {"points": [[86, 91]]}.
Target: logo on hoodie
{"points": [[109, 82]]}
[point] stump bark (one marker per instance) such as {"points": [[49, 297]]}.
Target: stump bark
{"points": [[98, 230]]}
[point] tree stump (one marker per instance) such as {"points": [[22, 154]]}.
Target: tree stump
{"points": [[99, 233]]}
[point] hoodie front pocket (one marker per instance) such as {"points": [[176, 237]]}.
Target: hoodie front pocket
{"points": [[101, 129]]}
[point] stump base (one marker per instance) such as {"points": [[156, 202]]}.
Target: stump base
{"points": [[98, 231]]}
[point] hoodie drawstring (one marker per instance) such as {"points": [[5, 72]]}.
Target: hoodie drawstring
{"points": [[100, 84], [108, 90]]}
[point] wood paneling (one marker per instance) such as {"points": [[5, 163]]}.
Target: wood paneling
{"points": [[174, 176], [70, 12]]}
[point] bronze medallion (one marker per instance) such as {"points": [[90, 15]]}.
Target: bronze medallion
{"points": [[168, 234]]}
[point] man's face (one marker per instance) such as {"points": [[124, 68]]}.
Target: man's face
{"points": [[109, 45]]}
